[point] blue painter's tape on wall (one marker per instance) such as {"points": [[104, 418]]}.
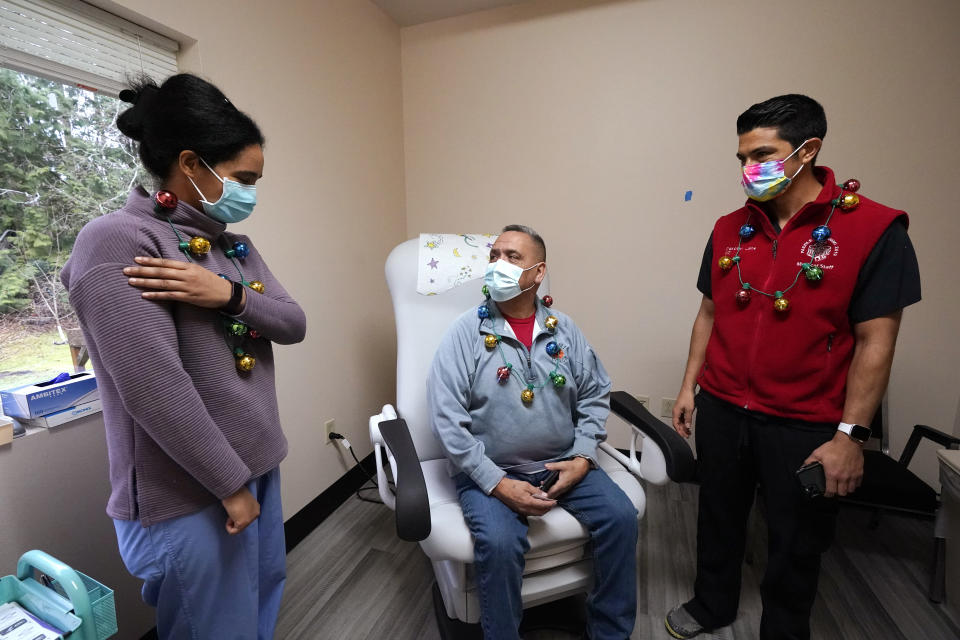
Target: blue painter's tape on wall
{"points": [[688, 196]]}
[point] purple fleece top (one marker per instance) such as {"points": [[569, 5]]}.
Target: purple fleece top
{"points": [[184, 427]]}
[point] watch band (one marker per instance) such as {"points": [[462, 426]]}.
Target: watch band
{"points": [[856, 432], [232, 307]]}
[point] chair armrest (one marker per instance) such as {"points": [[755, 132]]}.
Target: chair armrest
{"points": [[412, 503], [921, 431], [681, 466]]}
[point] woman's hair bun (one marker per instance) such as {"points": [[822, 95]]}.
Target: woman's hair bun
{"points": [[142, 96], [130, 95]]}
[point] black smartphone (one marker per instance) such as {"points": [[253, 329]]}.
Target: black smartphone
{"points": [[812, 479], [550, 480]]}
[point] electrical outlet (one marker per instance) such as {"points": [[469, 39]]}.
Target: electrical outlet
{"points": [[328, 428], [666, 407], [644, 400]]}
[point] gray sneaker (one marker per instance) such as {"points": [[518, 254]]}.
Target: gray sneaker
{"points": [[680, 624]]}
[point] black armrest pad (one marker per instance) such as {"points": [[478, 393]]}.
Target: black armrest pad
{"points": [[923, 431], [681, 465], [413, 506]]}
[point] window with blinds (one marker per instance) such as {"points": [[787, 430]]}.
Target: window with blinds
{"points": [[75, 43]]}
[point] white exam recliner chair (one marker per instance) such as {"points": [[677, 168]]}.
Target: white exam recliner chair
{"points": [[426, 504]]}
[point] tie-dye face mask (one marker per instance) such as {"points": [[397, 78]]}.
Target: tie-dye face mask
{"points": [[765, 180]]}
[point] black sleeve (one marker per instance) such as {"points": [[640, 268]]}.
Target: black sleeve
{"points": [[889, 279], [703, 281]]}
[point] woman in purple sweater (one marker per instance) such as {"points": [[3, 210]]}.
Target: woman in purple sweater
{"points": [[179, 316]]}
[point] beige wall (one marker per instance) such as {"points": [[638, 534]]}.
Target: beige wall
{"points": [[322, 79], [589, 121]]}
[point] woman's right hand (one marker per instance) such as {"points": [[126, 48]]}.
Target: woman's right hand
{"points": [[683, 413], [242, 509], [179, 281]]}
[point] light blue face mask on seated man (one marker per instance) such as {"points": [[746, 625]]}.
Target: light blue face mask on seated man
{"points": [[236, 203], [503, 280]]}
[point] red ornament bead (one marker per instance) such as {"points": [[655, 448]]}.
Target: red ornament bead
{"points": [[165, 200], [503, 374], [743, 296], [852, 185], [547, 301], [254, 334]]}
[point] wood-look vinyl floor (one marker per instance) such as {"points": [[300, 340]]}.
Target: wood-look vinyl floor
{"points": [[352, 578]]}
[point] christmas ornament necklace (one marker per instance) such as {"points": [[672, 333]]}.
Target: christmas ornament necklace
{"points": [[235, 333], [813, 273], [495, 341]]}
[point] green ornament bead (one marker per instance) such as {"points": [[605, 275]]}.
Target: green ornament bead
{"points": [[485, 290], [237, 328], [814, 274], [559, 380]]}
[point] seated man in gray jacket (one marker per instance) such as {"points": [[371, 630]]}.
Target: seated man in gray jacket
{"points": [[516, 397]]}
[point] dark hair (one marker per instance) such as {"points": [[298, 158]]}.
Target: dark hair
{"points": [[185, 112], [522, 228], [796, 117]]}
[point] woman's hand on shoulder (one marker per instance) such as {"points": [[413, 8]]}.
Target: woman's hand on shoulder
{"points": [[165, 279]]}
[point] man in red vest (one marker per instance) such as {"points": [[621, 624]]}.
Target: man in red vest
{"points": [[803, 289]]}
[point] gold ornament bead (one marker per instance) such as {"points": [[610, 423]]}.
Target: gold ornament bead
{"points": [[257, 286], [781, 304], [527, 396], [849, 201], [199, 246], [490, 341], [246, 362], [551, 322], [725, 262]]}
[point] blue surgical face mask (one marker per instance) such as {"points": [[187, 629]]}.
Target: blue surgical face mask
{"points": [[236, 203], [503, 280]]}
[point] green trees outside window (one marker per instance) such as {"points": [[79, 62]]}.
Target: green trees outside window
{"points": [[62, 163]]}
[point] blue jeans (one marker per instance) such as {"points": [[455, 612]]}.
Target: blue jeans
{"points": [[204, 582], [500, 542]]}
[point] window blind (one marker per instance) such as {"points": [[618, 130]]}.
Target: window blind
{"points": [[76, 43]]}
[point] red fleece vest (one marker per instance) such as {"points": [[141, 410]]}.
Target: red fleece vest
{"points": [[791, 364]]}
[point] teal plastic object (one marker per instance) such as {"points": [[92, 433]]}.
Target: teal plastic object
{"points": [[92, 602], [44, 603]]}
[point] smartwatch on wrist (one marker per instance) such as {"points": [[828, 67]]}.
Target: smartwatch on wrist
{"points": [[857, 433], [232, 307]]}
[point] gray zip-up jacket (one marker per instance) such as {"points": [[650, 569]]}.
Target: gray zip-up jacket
{"points": [[485, 427]]}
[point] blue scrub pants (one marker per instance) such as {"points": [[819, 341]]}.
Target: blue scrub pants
{"points": [[204, 582]]}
